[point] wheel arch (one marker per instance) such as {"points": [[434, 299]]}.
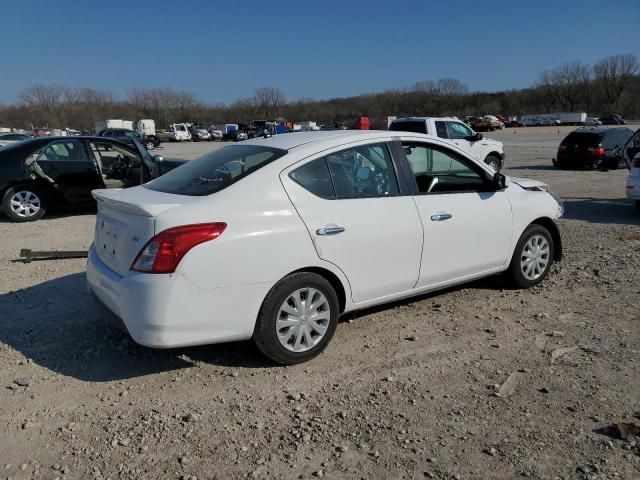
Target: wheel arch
{"points": [[494, 153], [332, 278], [550, 225]]}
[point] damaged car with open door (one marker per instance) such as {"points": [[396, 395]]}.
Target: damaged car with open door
{"points": [[631, 156], [55, 172]]}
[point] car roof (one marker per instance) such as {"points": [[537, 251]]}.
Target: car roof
{"points": [[598, 129], [406, 119], [289, 141]]}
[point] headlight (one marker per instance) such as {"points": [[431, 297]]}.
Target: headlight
{"points": [[560, 203]]}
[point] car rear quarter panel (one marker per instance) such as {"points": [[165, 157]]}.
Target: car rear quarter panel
{"points": [[264, 240]]}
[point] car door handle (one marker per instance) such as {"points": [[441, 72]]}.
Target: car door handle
{"points": [[329, 230], [439, 217]]}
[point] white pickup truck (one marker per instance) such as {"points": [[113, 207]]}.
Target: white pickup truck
{"points": [[485, 149]]}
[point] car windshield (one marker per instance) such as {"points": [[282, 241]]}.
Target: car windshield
{"points": [[216, 170]]}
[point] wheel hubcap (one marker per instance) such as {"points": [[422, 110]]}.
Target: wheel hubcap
{"points": [[25, 204], [303, 320], [535, 257]]}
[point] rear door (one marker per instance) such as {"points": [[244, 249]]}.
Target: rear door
{"points": [[351, 204], [68, 167]]}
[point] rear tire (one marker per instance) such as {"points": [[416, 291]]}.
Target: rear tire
{"points": [[24, 203], [297, 319], [532, 257]]}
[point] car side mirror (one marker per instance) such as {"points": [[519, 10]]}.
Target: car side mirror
{"points": [[479, 136], [499, 181], [158, 158]]}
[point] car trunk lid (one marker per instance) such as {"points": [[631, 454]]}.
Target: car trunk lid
{"points": [[125, 222]]}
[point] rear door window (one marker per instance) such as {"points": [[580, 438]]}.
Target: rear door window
{"points": [[361, 172], [315, 177], [413, 126], [64, 152], [216, 170], [441, 129]]}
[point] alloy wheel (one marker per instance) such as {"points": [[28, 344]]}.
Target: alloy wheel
{"points": [[25, 204], [303, 320], [534, 258]]}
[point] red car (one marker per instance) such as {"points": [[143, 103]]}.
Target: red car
{"points": [[513, 124]]}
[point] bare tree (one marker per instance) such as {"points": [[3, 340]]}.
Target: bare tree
{"points": [[268, 101], [567, 84], [614, 75]]}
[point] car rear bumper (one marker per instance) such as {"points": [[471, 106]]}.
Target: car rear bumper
{"points": [[167, 310], [579, 160]]}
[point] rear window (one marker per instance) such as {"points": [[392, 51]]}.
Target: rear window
{"points": [[216, 170], [414, 126], [580, 138]]}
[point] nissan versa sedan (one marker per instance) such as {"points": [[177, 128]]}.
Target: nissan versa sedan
{"points": [[274, 238]]}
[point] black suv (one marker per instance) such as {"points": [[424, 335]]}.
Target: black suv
{"points": [[128, 136], [592, 147]]}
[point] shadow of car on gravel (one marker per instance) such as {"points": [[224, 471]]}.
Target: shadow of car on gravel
{"points": [[57, 325], [620, 211]]}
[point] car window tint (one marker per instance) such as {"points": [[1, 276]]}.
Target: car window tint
{"points": [[438, 170], [441, 129], [459, 130], [365, 171], [414, 126], [215, 171], [315, 177], [64, 151]]}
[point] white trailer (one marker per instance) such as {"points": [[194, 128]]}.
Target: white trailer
{"points": [[114, 123], [573, 118], [146, 127]]}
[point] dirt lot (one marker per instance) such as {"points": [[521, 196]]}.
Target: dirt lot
{"points": [[406, 391]]}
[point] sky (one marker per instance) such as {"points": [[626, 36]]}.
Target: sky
{"points": [[222, 51]]}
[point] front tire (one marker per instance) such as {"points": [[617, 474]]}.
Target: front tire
{"points": [[532, 257], [24, 203], [493, 162], [297, 319]]}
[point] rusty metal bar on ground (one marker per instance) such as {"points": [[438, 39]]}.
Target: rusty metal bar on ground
{"points": [[28, 255]]}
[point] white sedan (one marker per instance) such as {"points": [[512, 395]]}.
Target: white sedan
{"points": [[273, 239]]}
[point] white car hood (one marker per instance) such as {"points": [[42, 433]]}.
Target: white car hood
{"points": [[491, 141], [528, 183]]}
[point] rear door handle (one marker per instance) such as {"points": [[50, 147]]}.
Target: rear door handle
{"points": [[439, 217], [329, 230]]}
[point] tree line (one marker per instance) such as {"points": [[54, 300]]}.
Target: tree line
{"points": [[611, 85]]}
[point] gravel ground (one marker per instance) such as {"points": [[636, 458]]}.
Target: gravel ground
{"points": [[475, 382]]}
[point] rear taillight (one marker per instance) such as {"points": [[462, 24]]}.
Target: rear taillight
{"points": [[598, 151], [163, 253]]}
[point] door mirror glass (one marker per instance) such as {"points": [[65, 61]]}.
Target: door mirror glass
{"points": [[478, 136], [158, 158]]}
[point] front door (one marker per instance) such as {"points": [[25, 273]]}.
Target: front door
{"points": [[70, 170], [465, 138], [350, 203], [467, 225]]}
